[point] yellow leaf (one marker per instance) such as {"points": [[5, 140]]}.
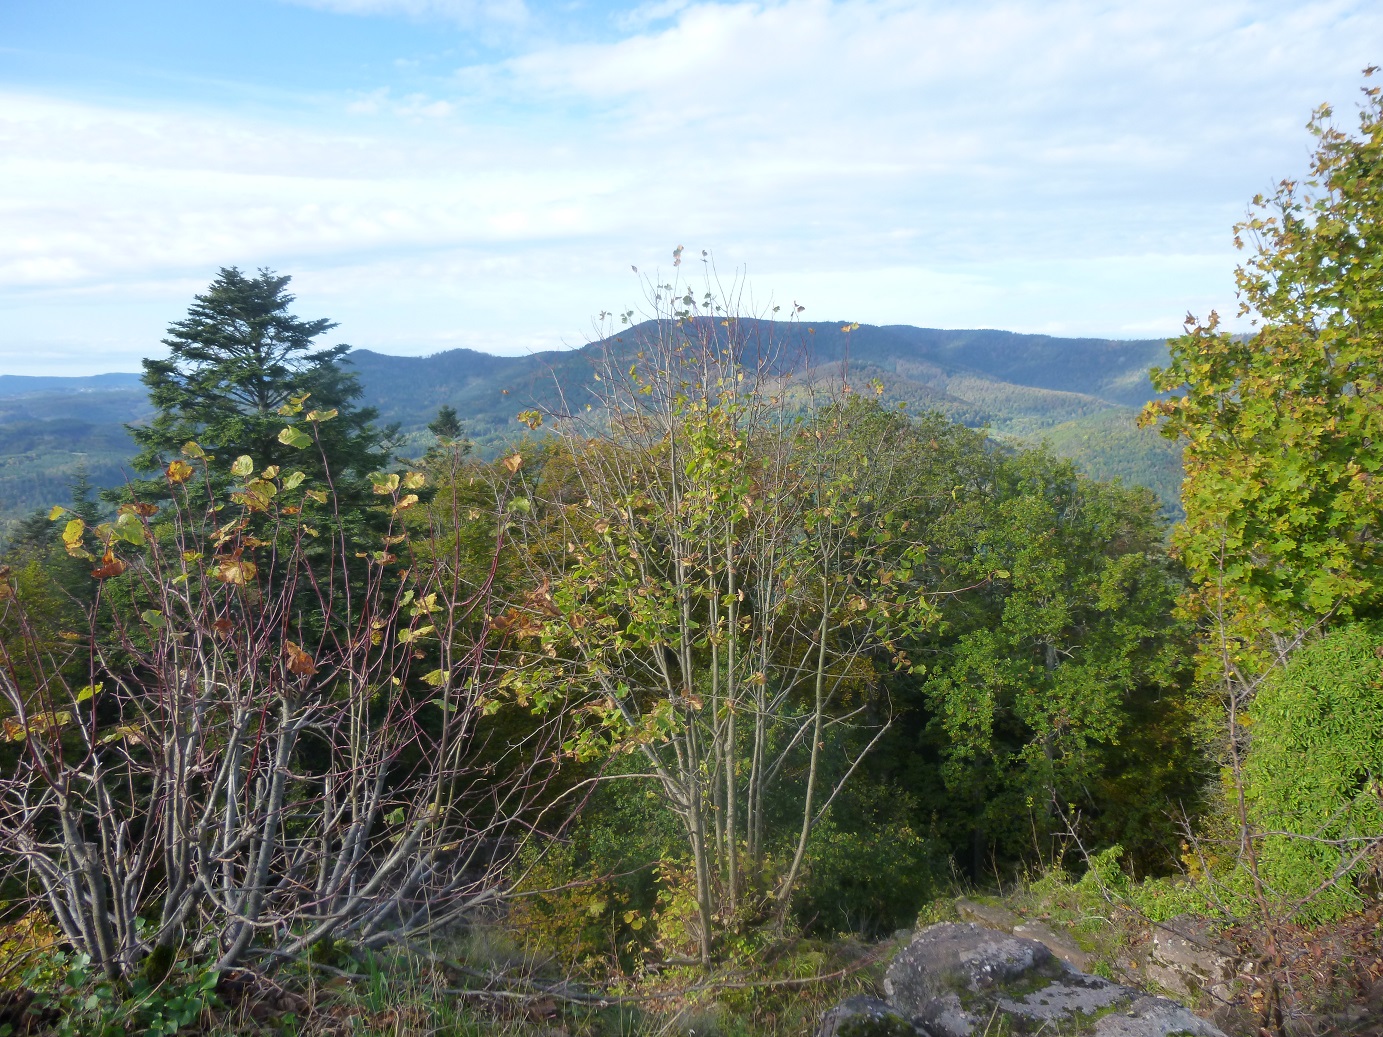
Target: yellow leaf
{"points": [[384, 485], [513, 463], [73, 532], [178, 472], [234, 571], [413, 480], [57, 513]]}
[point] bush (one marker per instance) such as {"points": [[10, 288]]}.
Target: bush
{"points": [[1312, 773], [870, 881]]}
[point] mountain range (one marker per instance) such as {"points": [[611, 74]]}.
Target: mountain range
{"points": [[1081, 395]]}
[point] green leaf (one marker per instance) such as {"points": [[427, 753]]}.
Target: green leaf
{"points": [[322, 415], [293, 481], [294, 438], [243, 466], [436, 678], [129, 529], [396, 816], [90, 691], [154, 618]]}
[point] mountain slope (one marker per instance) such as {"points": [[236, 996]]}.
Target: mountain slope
{"points": [[1079, 394]]}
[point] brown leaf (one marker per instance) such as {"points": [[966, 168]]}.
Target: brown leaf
{"points": [[223, 627], [234, 570], [513, 463], [299, 662], [110, 566]]}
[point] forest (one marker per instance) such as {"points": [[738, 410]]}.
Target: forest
{"points": [[670, 714]]}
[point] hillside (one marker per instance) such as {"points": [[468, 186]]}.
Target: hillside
{"points": [[1081, 395]]}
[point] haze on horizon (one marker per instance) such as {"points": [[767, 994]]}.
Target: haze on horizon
{"points": [[482, 173]]}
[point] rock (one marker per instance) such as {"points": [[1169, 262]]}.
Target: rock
{"points": [[988, 915], [1187, 958], [1154, 1017], [1061, 946], [959, 980], [1001, 918], [865, 1017]]}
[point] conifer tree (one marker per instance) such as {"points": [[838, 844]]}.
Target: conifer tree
{"points": [[234, 362]]}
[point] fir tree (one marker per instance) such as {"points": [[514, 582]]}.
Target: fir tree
{"points": [[240, 356]]}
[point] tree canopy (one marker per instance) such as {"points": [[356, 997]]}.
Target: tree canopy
{"points": [[1281, 427]]}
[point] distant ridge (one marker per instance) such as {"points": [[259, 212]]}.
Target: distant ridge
{"points": [[22, 384], [1079, 394]]}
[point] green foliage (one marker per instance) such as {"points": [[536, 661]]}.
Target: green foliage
{"points": [[1062, 655], [869, 868], [1282, 491], [1313, 773], [607, 895], [89, 1005]]}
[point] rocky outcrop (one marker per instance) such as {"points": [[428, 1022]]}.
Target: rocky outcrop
{"points": [[992, 917], [1188, 958], [962, 980], [865, 1017]]}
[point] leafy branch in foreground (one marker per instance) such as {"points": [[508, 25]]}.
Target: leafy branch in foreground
{"points": [[270, 744]]}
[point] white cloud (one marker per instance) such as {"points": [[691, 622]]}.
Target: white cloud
{"points": [[1065, 166]]}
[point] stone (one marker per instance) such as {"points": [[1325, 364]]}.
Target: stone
{"points": [[961, 980], [1063, 947], [1154, 1017], [992, 917], [865, 1017], [1188, 959]]}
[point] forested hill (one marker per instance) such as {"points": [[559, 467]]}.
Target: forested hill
{"points": [[1082, 395], [1079, 394]]}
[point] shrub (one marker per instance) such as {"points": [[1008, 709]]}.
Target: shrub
{"points": [[1312, 773]]}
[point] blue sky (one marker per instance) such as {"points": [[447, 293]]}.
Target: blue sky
{"points": [[483, 173]]}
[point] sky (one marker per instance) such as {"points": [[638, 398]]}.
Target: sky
{"points": [[484, 173]]}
